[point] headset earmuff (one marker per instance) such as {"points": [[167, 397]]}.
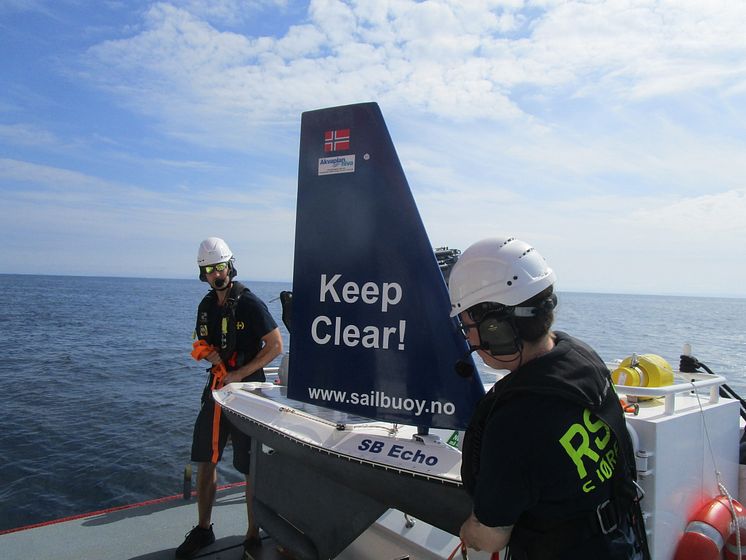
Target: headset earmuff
{"points": [[498, 334]]}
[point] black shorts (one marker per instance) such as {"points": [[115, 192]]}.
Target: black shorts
{"points": [[207, 447]]}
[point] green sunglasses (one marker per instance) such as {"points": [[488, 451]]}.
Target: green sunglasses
{"points": [[220, 267]]}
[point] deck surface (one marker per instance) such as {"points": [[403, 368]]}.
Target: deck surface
{"points": [[144, 532]]}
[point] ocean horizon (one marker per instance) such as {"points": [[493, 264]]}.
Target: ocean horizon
{"points": [[289, 281]]}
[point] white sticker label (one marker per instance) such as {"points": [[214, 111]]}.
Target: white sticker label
{"points": [[337, 164]]}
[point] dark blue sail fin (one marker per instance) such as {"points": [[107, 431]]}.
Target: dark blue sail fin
{"points": [[371, 331]]}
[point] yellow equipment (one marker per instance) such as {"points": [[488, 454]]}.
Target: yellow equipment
{"points": [[645, 370]]}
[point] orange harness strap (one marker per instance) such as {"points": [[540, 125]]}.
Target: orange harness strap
{"points": [[200, 351]]}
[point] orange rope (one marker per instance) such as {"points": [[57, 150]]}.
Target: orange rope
{"points": [[217, 383], [462, 546], [200, 351]]}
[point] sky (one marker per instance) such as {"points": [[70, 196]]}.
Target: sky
{"points": [[611, 135]]}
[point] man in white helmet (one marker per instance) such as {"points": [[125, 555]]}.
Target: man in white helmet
{"points": [[246, 338], [547, 457]]}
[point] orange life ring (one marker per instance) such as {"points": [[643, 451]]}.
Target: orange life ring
{"points": [[708, 530], [731, 545]]}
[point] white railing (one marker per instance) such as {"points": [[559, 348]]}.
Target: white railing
{"points": [[682, 385]]}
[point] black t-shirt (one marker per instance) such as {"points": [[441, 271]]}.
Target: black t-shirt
{"points": [[539, 455], [548, 458], [235, 329]]}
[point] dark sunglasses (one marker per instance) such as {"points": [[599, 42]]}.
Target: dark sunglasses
{"points": [[478, 312], [220, 267]]}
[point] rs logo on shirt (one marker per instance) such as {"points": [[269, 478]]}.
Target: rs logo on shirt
{"points": [[586, 444]]}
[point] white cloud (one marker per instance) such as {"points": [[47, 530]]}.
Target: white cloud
{"points": [[228, 12], [324, 62], [638, 49], [450, 59], [701, 221], [116, 221], [27, 135], [24, 6], [611, 243], [581, 125]]}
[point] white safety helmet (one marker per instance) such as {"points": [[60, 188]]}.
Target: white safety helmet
{"points": [[213, 250], [502, 269]]}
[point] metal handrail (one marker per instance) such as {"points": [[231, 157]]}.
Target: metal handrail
{"points": [[669, 392]]}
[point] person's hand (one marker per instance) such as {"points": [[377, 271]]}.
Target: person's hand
{"points": [[214, 358], [465, 533], [477, 536], [232, 377]]}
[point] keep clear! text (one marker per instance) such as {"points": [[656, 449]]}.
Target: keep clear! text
{"points": [[333, 330]]}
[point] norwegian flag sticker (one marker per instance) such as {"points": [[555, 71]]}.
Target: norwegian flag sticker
{"points": [[337, 140]]}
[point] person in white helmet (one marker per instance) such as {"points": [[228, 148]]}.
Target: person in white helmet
{"points": [[246, 338], [547, 458]]}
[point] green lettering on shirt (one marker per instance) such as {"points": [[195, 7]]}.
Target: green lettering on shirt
{"points": [[579, 445]]}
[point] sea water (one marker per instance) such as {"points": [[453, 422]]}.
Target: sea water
{"points": [[99, 393]]}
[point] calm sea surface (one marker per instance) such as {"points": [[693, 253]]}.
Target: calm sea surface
{"points": [[99, 394]]}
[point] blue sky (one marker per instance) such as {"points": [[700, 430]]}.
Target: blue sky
{"points": [[611, 135]]}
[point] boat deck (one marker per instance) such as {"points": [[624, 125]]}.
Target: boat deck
{"points": [[147, 531], [152, 531]]}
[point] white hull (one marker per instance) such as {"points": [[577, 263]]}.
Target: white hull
{"points": [[357, 471], [379, 444]]}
